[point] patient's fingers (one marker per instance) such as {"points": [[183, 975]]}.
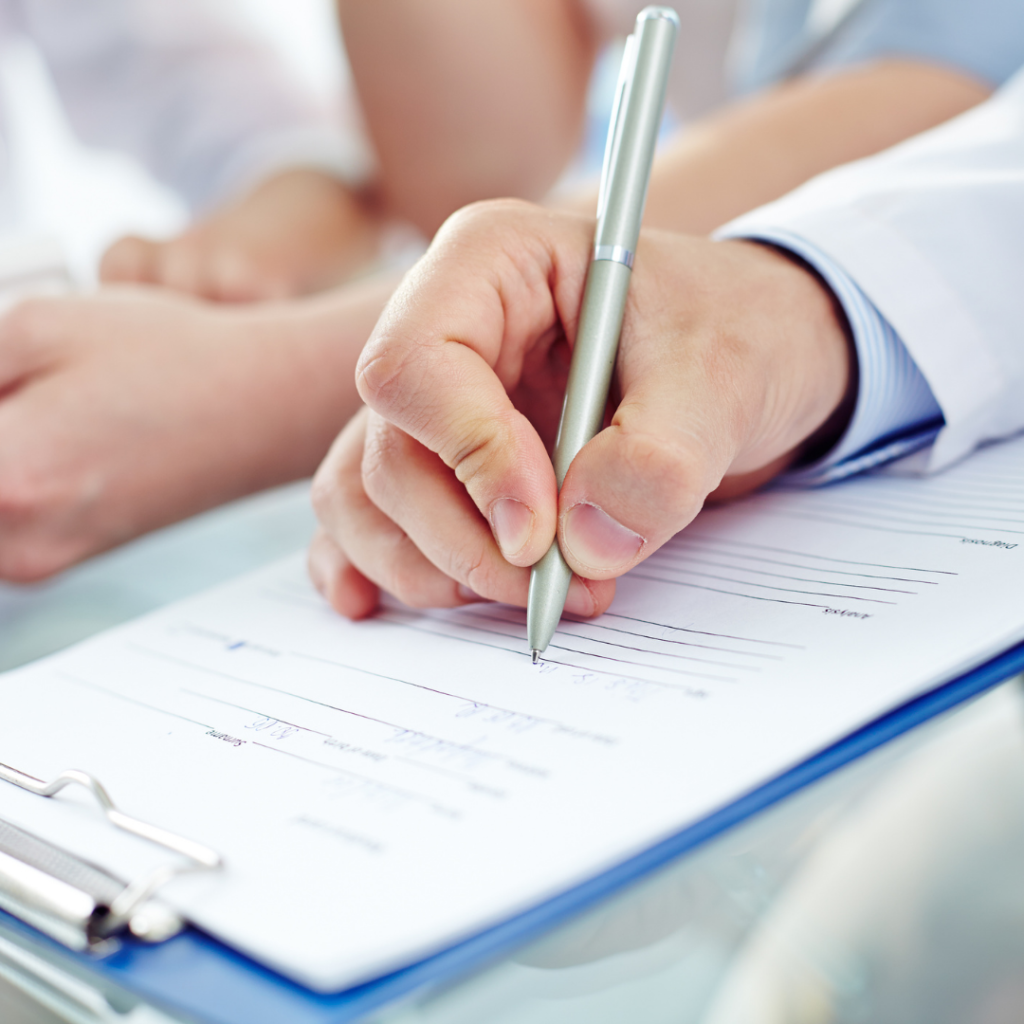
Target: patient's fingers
{"points": [[130, 259], [180, 265], [234, 275], [32, 336]]}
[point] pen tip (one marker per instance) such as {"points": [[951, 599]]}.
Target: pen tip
{"points": [[536, 656]]}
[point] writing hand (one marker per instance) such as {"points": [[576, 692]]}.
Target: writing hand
{"points": [[732, 356]]}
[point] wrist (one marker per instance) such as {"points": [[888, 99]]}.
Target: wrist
{"points": [[304, 373], [799, 365], [831, 388], [833, 322]]}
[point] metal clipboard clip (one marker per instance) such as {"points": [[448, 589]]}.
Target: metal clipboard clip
{"points": [[76, 902]]}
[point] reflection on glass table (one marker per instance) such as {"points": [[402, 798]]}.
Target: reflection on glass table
{"points": [[891, 892]]}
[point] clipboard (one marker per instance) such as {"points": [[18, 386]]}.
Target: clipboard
{"points": [[195, 975]]}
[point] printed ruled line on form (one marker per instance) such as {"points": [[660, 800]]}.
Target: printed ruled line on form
{"points": [[520, 624], [131, 700], [702, 632], [408, 794], [689, 559], [620, 646], [874, 514], [940, 502], [730, 593], [520, 651], [763, 586], [252, 711], [723, 549], [860, 525], [689, 537], [357, 714]]}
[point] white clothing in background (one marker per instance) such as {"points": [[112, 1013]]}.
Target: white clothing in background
{"points": [[700, 77], [205, 106], [731, 47], [932, 231]]}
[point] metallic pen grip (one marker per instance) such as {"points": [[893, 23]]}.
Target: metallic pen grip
{"points": [[615, 254], [586, 396], [632, 136]]}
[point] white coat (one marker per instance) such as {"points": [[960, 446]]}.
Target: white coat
{"points": [[933, 233], [179, 84]]}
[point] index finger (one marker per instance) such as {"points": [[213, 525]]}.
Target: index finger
{"points": [[500, 280]]}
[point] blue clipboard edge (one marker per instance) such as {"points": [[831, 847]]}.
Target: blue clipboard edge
{"points": [[200, 978]]}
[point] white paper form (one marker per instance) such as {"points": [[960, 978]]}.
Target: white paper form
{"points": [[380, 790]]}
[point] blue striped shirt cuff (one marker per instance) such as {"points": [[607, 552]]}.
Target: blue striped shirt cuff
{"points": [[895, 412]]}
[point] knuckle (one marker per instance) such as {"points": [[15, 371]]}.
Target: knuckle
{"points": [[29, 321], [673, 473], [381, 374], [383, 449], [322, 492], [337, 479], [481, 446], [405, 576], [477, 572], [482, 216], [125, 251]]}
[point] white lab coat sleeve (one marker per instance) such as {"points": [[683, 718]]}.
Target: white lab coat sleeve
{"points": [[206, 106], [932, 231]]}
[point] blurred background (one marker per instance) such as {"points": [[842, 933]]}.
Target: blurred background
{"points": [[892, 893], [86, 198]]}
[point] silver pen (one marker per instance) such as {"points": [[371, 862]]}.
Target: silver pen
{"points": [[628, 156]]}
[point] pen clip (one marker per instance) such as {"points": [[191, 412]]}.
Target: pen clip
{"points": [[627, 71]]}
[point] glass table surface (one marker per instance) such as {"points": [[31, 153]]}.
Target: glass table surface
{"points": [[891, 891]]}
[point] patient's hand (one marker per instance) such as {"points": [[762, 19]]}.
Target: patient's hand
{"points": [[296, 233], [731, 357], [133, 408]]}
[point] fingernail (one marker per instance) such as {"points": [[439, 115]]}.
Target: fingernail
{"points": [[512, 523], [469, 596], [596, 540], [579, 600]]}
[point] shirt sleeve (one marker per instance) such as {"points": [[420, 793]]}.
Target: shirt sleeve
{"points": [[777, 38], [206, 106], [931, 232], [895, 411]]}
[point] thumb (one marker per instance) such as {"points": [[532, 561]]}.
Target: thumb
{"points": [[731, 357], [633, 487]]}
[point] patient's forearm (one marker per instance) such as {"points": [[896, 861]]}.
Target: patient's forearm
{"points": [[756, 150], [468, 100], [133, 408], [302, 368]]}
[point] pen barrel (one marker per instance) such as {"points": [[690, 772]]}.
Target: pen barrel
{"points": [[586, 396], [633, 135], [549, 587], [593, 360], [636, 131]]}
